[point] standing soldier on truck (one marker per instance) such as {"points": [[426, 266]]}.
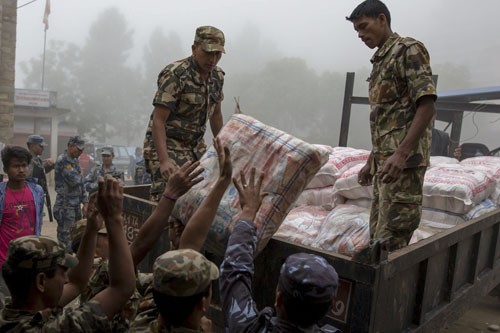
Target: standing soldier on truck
{"points": [[189, 94], [70, 191], [38, 167], [402, 96]]}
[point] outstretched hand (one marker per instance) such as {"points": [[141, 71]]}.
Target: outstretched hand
{"points": [[183, 179], [225, 165], [250, 194], [109, 197]]}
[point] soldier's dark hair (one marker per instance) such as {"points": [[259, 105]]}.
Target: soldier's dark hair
{"points": [[303, 314], [11, 152], [370, 8], [19, 280], [176, 309]]}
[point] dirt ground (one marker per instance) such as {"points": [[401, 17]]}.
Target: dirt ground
{"points": [[482, 317]]}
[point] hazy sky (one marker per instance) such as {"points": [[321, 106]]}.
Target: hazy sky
{"points": [[455, 31]]}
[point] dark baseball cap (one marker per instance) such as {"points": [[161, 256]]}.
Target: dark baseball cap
{"points": [[77, 141], [38, 253], [36, 139], [308, 278]]}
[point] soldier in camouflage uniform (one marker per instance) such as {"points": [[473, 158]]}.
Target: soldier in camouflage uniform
{"points": [[189, 94], [107, 167], [36, 272], [182, 290], [306, 287], [70, 190], [402, 95], [39, 167]]}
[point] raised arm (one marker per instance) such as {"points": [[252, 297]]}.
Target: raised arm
{"points": [[196, 231], [120, 266], [178, 184], [78, 276], [237, 269]]}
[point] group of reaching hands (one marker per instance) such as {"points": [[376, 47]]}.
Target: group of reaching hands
{"points": [[110, 191]]}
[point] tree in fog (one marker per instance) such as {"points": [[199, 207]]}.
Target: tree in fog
{"points": [[109, 85], [158, 53], [61, 60]]}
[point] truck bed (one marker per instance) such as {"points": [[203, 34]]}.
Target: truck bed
{"points": [[419, 288]]}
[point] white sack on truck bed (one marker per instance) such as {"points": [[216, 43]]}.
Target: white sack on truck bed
{"points": [[287, 162], [339, 161], [345, 230], [456, 188], [302, 224], [492, 164], [348, 187], [316, 197]]}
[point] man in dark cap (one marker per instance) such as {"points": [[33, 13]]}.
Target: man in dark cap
{"points": [[70, 190], [43, 277], [107, 167], [38, 167], [189, 94], [306, 288]]}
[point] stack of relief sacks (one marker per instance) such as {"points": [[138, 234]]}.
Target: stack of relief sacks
{"points": [[336, 217], [289, 164]]}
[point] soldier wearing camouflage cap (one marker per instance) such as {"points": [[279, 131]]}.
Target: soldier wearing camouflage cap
{"points": [[189, 94], [43, 277], [71, 198], [306, 288], [402, 95], [182, 291]]}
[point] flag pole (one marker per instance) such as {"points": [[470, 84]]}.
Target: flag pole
{"points": [[43, 61]]}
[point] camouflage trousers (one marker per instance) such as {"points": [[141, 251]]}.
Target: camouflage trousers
{"points": [[397, 207], [153, 168], [66, 216]]}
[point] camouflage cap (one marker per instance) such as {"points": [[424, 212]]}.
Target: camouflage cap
{"points": [[309, 278], [38, 253], [36, 139], [77, 141], [183, 273], [78, 229], [210, 38]]}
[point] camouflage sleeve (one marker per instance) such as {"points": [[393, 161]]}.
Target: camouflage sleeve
{"points": [[90, 181], [71, 175], [169, 89], [237, 269], [418, 72], [88, 317]]}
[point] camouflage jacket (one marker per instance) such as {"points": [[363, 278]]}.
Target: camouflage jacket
{"points": [[88, 317], [148, 323], [191, 103], [401, 75], [90, 180], [238, 307], [98, 282], [69, 181]]}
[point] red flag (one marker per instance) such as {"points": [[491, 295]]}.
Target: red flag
{"points": [[46, 14]]}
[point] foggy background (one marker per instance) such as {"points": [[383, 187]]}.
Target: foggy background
{"points": [[286, 60]]}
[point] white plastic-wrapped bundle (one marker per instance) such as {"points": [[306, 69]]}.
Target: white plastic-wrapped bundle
{"points": [[302, 224], [345, 158], [492, 165], [437, 160], [347, 185], [316, 197], [345, 230], [288, 164], [456, 188], [426, 229]]}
